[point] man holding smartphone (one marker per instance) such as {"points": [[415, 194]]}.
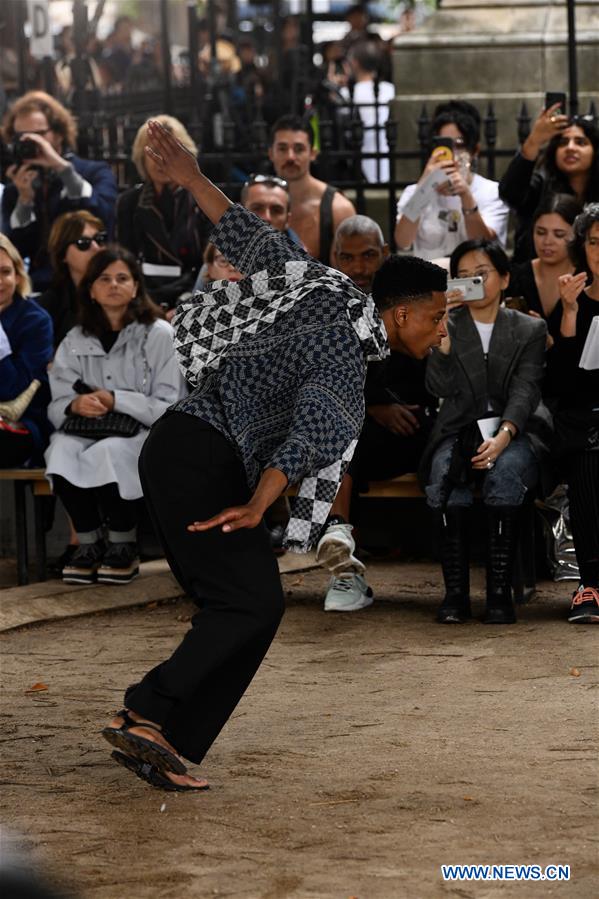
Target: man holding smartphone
{"points": [[438, 213]]}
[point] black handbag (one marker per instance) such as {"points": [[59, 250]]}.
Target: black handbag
{"points": [[113, 424]]}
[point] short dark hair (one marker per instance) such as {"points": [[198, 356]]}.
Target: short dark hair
{"points": [[583, 224], [463, 115], [90, 314], [564, 205], [406, 279], [366, 55], [292, 123], [492, 248]]}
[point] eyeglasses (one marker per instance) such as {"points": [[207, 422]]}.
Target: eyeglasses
{"points": [[482, 273], [222, 262], [271, 180], [84, 243]]}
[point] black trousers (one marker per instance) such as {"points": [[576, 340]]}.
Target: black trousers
{"points": [[583, 492], [90, 507], [189, 472]]}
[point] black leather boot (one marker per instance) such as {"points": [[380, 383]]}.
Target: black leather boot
{"points": [[502, 536], [453, 527]]}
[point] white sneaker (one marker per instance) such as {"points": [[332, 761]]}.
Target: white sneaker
{"points": [[335, 550], [348, 594]]}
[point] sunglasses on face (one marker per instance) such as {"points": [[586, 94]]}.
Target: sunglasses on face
{"points": [[271, 180], [84, 243]]}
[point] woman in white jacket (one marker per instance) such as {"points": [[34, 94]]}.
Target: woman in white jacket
{"points": [[123, 351]]}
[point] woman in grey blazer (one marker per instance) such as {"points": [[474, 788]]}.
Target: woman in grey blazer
{"points": [[490, 366]]}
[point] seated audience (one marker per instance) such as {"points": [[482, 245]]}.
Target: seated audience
{"points": [[573, 377], [215, 268], [25, 352], [268, 197], [569, 165], [410, 294], [317, 208], [74, 238], [537, 280], [47, 179], [490, 366], [122, 352], [464, 207], [161, 224]]}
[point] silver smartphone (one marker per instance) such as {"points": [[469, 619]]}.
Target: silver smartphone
{"points": [[472, 288]]}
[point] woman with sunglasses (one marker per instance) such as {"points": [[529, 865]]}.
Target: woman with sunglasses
{"points": [[490, 366], [569, 164], [74, 239]]}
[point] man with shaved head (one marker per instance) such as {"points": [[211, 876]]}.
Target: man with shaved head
{"points": [[400, 414]]}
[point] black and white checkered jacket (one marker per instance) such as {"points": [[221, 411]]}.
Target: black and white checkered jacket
{"points": [[278, 361]]}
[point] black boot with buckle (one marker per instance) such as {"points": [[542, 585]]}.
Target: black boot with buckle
{"points": [[502, 537], [453, 527]]}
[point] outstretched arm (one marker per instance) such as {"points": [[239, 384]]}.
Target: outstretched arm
{"points": [[181, 167]]}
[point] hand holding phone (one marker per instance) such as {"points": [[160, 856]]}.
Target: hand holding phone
{"points": [[471, 289], [552, 98]]}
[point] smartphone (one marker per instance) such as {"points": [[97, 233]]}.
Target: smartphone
{"points": [[553, 97], [444, 144], [472, 288]]}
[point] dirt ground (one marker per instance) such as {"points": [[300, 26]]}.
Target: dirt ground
{"points": [[370, 748]]}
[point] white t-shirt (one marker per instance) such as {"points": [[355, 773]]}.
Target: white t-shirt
{"points": [[375, 170], [484, 332], [442, 228]]}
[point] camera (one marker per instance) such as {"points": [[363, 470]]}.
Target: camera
{"points": [[24, 150]]}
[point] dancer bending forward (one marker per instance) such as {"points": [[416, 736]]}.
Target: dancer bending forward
{"points": [[278, 362]]}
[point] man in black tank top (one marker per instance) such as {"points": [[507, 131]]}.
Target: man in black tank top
{"points": [[317, 208]]}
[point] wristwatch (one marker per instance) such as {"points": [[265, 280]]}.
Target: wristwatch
{"points": [[509, 431], [470, 211]]}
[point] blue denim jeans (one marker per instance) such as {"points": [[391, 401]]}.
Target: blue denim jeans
{"points": [[516, 471]]}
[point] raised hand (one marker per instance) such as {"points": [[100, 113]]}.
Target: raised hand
{"points": [[170, 156]]}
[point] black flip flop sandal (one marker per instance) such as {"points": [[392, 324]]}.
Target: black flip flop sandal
{"points": [[151, 775], [139, 748]]}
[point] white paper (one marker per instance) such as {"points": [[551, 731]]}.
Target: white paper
{"points": [[589, 358], [160, 271], [488, 426], [423, 195]]}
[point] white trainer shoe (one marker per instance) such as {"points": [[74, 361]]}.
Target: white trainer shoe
{"points": [[348, 594], [335, 551]]}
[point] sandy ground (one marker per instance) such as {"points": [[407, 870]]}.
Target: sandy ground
{"points": [[370, 748]]}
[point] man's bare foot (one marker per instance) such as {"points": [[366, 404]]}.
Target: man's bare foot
{"points": [[186, 780], [148, 733]]}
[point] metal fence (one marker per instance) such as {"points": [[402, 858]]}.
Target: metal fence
{"points": [[228, 156]]}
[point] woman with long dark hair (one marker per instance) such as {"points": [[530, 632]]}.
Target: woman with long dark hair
{"points": [[569, 165], [573, 377], [537, 280], [118, 358]]}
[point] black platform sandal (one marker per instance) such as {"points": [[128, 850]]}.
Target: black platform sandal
{"points": [[139, 748], [151, 775]]}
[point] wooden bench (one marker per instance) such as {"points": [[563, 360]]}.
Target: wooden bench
{"points": [[35, 480]]}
